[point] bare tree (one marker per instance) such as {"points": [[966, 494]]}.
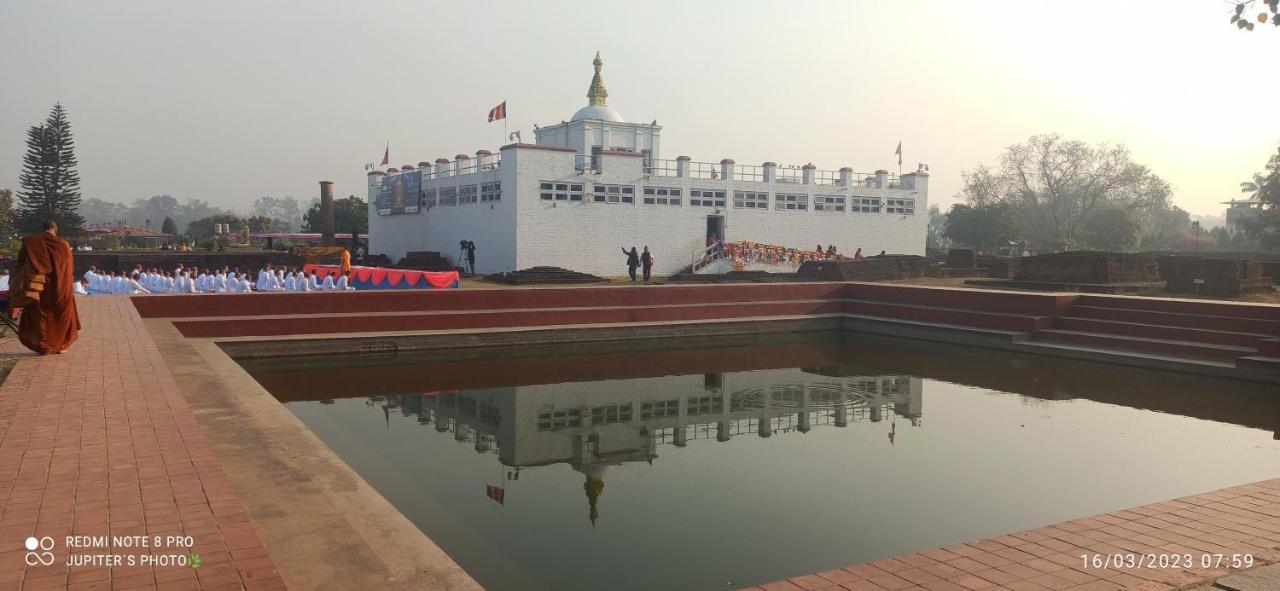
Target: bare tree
{"points": [[1053, 185]]}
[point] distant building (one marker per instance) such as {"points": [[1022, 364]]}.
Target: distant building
{"points": [[596, 182], [130, 237], [1240, 210]]}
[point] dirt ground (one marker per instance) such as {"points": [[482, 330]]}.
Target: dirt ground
{"points": [[1272, 297]]}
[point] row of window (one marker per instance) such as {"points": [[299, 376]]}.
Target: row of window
{"points": [[618, 194], [462, 195]]}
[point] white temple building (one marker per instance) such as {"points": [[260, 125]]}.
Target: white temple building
{"points": [[597, 183]]}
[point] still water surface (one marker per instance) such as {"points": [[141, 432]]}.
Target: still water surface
{"points": [[718, 464]]}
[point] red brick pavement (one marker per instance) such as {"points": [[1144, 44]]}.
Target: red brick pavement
{"points": [[1238, 520], [100, 442]]}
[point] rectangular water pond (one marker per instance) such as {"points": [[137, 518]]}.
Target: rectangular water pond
{"points": [[717, 464]]}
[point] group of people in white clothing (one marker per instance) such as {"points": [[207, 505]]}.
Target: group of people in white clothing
{"points": [[196, 280]]}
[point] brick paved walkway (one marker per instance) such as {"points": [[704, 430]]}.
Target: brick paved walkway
{"points": [[100, 441], [1239, 520]]}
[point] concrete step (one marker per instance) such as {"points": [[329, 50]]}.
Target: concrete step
{"points": [[1156, 331], [1128, 357], [1260, 362], [1145, 345], [1178, 319], [1269, 347], [495, 319], [1180, 306], [945, 315]]}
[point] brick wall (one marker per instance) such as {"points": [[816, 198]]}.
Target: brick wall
{"points": [[1089, 267], [1221, 277]]}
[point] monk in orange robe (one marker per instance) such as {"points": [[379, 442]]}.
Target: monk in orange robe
{"points": [[346, 261], [51, 324]]}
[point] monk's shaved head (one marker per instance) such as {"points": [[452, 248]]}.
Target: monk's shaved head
{"points": [[49, 225]]}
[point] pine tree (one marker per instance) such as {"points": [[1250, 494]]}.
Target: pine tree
{"points": [[168, 227], [50, 183]]}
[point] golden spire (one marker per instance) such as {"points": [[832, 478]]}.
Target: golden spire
{"points": [[597, 95]]}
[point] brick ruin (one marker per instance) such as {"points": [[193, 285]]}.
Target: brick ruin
{"points": [[876, 268], [1213, 276], [1089, 267]]}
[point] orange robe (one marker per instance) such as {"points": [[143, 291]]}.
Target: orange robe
{"points": [[346, 261], [53, 324]]}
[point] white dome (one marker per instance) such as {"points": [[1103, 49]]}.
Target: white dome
{"points": [[600, 112]]}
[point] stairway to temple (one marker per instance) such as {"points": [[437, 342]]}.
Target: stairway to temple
{"points": [[1224, 333]]}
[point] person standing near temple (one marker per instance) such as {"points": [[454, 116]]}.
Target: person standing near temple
{"points": [[469, 251], [346, 262], [44, 286], [646, 261], [633, 262]]}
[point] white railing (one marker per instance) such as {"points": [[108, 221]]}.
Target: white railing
{"points": [[707, 256], [467, 166], [704, 170], [788, 175], [657, 167], [748, 172], [586, 162]]}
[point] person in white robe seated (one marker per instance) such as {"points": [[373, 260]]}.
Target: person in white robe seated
{"points": [[131, 286], [82, 287], [342, 284], [263, 275], [328, 283]]}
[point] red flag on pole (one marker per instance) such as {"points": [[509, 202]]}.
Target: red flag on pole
{"points": [[386, 156], [496, 493], [498, 112], [898, 152]]}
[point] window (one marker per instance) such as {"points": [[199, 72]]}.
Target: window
{"points": [[551, 191], [904, 206], [611, 413], [614, 194], [705, 405], [865, 205], [490, 192], [828, 202], [750, 200], [706, 198], [659, 409], [467, 194], [661, 196], [559, 419], [790, 201], [448, 196], [429, 198], [490, 414]]}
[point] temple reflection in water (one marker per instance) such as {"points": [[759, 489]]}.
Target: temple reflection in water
{"points": [[591, 427]]}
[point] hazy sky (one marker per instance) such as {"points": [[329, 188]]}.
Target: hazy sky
{"points": [[227, 101]]}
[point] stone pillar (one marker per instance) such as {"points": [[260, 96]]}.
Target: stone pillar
{"points": [[442, 167], [483, 159], [726, 169], [846, 176], [426, 169], [842, 415], [682, 166], [807, 173], [770, 171], [460, 163], [882, 179], [326, 213], [722, 431]]}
